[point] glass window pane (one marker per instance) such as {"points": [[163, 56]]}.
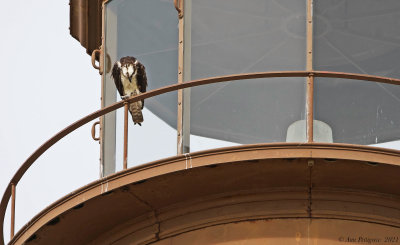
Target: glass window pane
{"points": [[154, 140], [357, 36], [236, 36], [147, 30], [246, 112], [358, 112]]}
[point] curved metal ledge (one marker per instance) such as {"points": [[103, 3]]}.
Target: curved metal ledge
{"points": [[25, 166], [331, 153]]}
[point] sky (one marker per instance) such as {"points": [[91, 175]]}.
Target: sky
{"points": [[47, 83]]}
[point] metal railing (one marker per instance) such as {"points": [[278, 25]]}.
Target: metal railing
{"points": [[10, 191]]}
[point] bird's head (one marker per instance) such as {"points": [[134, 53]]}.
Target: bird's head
{"points": [[128, 69]]}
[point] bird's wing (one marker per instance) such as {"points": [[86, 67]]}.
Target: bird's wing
{"points": [[141, 79], [116, 74]]}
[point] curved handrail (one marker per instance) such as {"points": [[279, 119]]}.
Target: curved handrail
{"points": [[35, 155]]}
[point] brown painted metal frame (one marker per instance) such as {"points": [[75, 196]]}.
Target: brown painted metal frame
{"points": [[28, 163], [206, 158], [310, 78], [102, 61], [125, 163], [94, 131], [310, 108], [13, 197], [179, 7], [106, 66], [97, 53], [180, 116], [184, 74], [309, 67]]}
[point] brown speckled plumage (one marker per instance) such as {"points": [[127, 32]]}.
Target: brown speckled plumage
{"points": [[126, 88]]}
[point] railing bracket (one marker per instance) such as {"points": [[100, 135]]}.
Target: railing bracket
{"points": [[94, 131], [179, 8], [97, 53]]}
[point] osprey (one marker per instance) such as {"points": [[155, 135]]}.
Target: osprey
{"points": [[130, 79]]}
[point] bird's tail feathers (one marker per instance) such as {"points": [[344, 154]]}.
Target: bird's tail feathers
{"points": [[136, 112]]}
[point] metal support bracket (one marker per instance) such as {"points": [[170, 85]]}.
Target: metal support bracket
{"points": [[179, 8], [94, 131], [97, 53]]}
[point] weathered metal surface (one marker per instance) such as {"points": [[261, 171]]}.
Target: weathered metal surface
{"points": [[180, 102], [85, 23], [267, 181], [289, 231]]}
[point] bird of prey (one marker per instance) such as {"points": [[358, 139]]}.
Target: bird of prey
{"points": [[130, 79]]}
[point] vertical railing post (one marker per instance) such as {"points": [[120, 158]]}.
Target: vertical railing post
{"points": [[310, 27], [126, 135], [310, 108], [180, 116], [310, 79], [12, 223]]}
